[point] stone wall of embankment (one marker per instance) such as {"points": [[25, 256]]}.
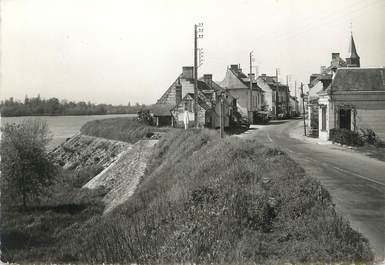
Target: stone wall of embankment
{"points": [[82, 151]]}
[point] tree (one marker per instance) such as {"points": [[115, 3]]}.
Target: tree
{"points": [[25, 166]]}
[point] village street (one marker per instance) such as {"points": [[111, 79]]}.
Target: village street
{"points": [[355, 181]]}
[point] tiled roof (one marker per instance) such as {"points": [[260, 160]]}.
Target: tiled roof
{"points": [[365, 79]]}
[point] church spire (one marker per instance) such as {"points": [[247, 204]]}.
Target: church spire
{"points": [[353, 60]]}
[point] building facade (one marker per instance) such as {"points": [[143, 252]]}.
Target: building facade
{"points": [[238, 85]]}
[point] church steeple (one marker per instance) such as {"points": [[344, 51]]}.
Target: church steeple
{"points": [[353, 60]]}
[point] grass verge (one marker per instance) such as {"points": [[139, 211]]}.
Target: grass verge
{"points": [[207, 200]]}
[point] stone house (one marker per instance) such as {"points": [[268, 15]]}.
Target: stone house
{"points": [[238, 85], [180, 97]]}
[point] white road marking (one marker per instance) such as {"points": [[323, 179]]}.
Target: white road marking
{"points": [[358, 175]]}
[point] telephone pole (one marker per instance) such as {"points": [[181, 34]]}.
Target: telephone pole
{"points": [[276, 94], [197, 28], [251, 88], [221, 118], [303, 109]]}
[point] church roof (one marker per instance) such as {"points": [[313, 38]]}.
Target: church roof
{"points": [[352, 49]]}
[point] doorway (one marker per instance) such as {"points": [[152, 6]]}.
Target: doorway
{"points": [[345, 119]]}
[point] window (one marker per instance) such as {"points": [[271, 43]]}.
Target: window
{"points": [[323, 127]]}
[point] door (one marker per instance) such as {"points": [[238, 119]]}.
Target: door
{"points": [[345, 119]]}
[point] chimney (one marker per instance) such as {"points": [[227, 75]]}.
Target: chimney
{"points": [[335, 55], [178, 92], [208, 78], [312, 77], [234, 67], [188, 72]]}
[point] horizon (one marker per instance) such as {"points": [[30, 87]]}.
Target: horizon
{"points": [[121, 51]]}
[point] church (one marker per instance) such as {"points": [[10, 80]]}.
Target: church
{"points": [[346, 95]]}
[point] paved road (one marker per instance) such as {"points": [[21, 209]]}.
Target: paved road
{"points": [[355, 181]]}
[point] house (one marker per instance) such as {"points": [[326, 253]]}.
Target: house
{"points": [[316, 85], [354, 100], [268, 99], [277, 95], [182, 85], [180, 96], [238, 85], [204, 109], [293, 107], [352, 97]]}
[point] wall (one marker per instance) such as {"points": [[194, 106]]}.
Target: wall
{"points": [[242, 96], [268, 94], [178, 114], [372, 119]]}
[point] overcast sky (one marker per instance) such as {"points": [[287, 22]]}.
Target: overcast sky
{"points": [[118, 51]]}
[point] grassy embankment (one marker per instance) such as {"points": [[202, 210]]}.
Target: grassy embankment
{"points": [[224, 201], [123, 129], [205, 200], [33, 234]]}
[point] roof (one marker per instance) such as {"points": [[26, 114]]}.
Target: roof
{"points": [[352, 49], [236, 79], [364, 79], [203, 101], [161, 110]]}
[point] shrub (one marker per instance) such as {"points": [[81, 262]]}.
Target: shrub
{"points": [[345, 136], [26, 168]]}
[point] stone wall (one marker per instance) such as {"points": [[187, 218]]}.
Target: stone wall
{"points": [[81, 151]]}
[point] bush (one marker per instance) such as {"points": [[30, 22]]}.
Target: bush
{"points": [[26, 168], [346, 137]]}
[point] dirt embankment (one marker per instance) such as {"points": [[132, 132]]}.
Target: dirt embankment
{"points": [[122, 177], [82, 151]]}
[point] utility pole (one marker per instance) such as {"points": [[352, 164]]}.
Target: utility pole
{"points": [[221, 120], [303, 109], [295, 96], [287, 95], [197, 27], [276, 93], [251, 88]]}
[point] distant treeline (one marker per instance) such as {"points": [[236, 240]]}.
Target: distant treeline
{"points": [[39, 106]]}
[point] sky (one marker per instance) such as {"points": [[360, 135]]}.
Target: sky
{"points": [[121, 51]]}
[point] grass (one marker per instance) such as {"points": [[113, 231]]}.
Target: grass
{"points": [[125, 129], [207, 200], [33, 234]]}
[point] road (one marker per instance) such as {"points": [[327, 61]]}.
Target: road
{"points": [[355, 181]]}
